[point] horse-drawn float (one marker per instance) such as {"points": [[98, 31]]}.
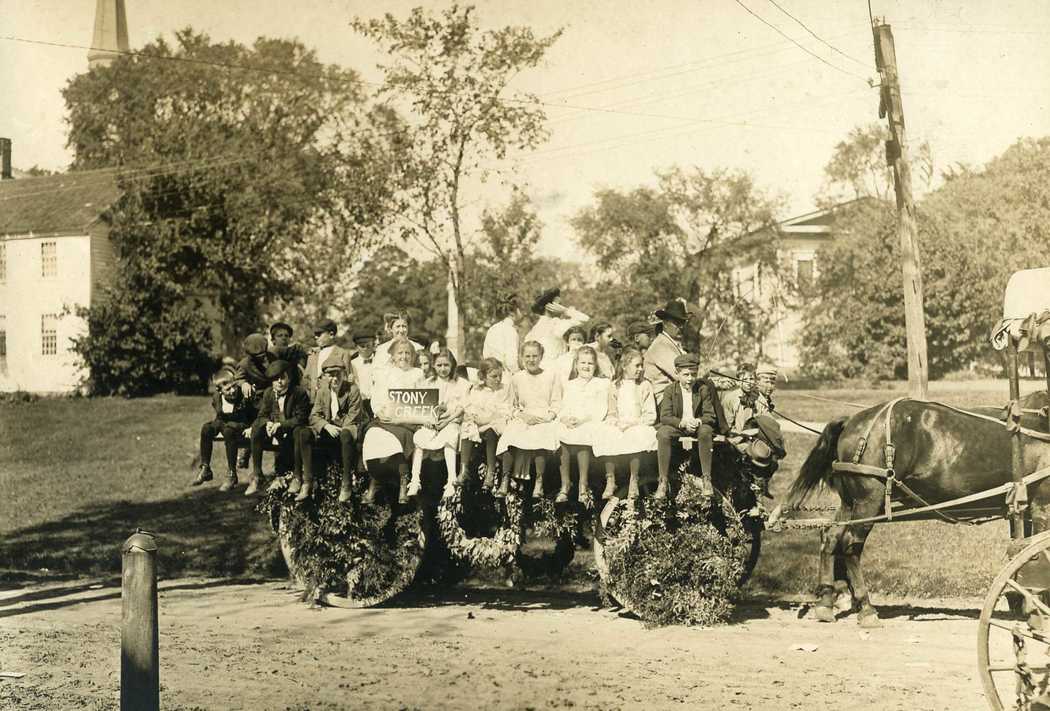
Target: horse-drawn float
{"points": [[690, 545]]}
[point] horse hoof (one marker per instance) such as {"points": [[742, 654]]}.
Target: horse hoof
{"points": [[869, 620], [824, 614]]}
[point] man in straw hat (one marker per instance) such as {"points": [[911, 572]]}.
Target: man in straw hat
{"points": [[336, 418], [687, 409], [666, 346], [554, 320]]}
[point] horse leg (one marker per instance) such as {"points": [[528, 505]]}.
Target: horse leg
{"points": [[853, 549], [829, 545]]}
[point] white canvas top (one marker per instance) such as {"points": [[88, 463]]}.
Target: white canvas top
{"points": [[1027, 292]]}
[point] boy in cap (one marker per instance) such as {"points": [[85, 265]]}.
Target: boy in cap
{"points": [[687, 409], [285, 407], [362, 364], [282, 347], [765, 384], [324, 332], [641, 335], [233, 414], [337, 417]]}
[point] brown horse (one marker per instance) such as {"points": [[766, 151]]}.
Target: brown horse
{"points": [[940, 454]]}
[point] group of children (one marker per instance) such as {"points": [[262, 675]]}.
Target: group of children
{"points": [[586, 402]]}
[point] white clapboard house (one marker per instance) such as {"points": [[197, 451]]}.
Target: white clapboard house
{"points": [[55, 254]]}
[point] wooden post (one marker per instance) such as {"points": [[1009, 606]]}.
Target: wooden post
{"points": [[897, 157], [1017, 512], [139, 656]]}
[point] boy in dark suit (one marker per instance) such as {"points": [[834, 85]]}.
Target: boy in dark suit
{"points": [[687, 409], [233, 414], [336, 418], [285, 407]]}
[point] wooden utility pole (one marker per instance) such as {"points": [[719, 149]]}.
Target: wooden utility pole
{"points": [[891, 108]]}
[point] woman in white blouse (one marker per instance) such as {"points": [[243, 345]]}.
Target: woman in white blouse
{"points": [[584, 405], [388, 435]]}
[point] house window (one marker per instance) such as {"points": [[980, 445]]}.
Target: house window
{"points": [[49, 334], [804, 272], [48, 259]]}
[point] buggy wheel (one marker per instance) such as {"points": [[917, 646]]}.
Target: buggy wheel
{"points": [[557, 522], [1013, 644], [602, 519], [753, 529]]}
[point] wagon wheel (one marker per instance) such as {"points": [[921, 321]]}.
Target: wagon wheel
{"points": [[559, 522], [1012, 648], [378, 554], [602, 520], [478, 528]]}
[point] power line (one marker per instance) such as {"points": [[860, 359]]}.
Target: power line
{"points": [[815, 35], [800, 46]]}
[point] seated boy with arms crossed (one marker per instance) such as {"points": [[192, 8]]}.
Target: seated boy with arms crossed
{"points": [[687, 409]]}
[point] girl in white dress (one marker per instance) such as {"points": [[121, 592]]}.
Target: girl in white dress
{"points": [[532, 432], [485, 414], [575, 337], [629, 429], [443, 433], [584, 405], [387, 436]]}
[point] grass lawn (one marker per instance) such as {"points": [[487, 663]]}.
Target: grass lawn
{"points": [[78, 476]]}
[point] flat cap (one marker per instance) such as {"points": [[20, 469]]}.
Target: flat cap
{"points": [[278, 325], [363, 337], [333, 362], [277, 368], [639, 327], [255, 344], [766, 368], [686, 360], [325, 324]]}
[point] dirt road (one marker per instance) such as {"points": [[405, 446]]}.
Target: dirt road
{"points": [[253, 646]]}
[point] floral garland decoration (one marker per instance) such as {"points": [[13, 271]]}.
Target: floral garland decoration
{"points": [[365, 554]]}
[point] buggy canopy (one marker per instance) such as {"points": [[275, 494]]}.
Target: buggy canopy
{"points": [[1026, 311]]}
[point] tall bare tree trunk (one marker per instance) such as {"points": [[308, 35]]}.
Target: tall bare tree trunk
{"points": [[455, 335]]}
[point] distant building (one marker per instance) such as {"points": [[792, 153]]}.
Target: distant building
{"points": [[55, 255], [801, 239]]}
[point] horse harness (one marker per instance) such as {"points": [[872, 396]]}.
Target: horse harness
{"points": [[1016, 491]]}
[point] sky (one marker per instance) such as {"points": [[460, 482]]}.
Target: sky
{"points": [[632, 87]]}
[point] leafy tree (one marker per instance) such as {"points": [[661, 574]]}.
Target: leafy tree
{"points": [[249, 174], [682, 239], [974, 231], [455, 77], [858, 167]]}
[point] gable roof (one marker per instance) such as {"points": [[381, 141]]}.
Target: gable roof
{"points": [[69, 203]]}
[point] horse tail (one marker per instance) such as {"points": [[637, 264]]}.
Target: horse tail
{"points": [[816, 470]]}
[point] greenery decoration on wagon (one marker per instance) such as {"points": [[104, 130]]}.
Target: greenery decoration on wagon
{"points": [[362, 551], [560, 523], [482, 551], [676, 562]]}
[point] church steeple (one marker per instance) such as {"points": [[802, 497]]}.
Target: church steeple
{"points": [[111, 33]]}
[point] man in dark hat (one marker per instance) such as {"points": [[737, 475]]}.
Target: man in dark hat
{"points": [[501, 340], [687, 409], [666, 346], [285, 407], [554, 320], [336, 418], [325, 332]]}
